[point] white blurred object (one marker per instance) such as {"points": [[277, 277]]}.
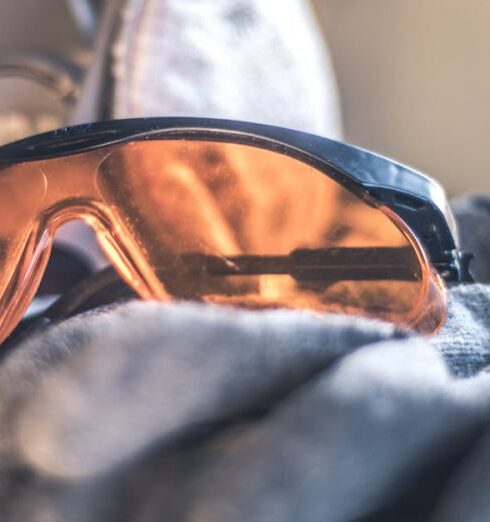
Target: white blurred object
{"points": [[259, 60]]}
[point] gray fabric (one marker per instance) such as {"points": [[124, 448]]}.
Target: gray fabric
{"points": [[188, 412], [465, 338], [473, 215]]}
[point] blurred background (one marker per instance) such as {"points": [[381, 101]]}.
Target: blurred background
{"points": [[413, 77]]}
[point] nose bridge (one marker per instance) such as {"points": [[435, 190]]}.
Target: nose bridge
{"points": [[71, 178], [71, 189]]}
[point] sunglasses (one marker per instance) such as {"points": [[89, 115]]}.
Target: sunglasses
{"points": [[231, 213]]}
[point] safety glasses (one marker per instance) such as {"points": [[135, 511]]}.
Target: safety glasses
{"points": [[231, 213]]}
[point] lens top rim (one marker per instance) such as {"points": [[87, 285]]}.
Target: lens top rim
{"points": [[418, 200]]}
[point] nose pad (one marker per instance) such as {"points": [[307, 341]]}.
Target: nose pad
{"points": [[126, 258], [115, 242]]}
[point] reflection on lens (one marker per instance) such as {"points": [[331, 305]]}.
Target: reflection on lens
{"points": [[236, 224]]}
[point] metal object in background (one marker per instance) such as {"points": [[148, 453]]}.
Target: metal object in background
{"points": [[60, 77], [83, 93]]}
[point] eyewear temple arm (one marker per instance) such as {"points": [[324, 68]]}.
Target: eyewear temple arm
{"points": [[328, 264]]}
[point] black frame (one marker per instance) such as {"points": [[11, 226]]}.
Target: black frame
{"points": [[418, 200]]}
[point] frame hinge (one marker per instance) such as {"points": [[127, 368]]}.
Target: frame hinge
{"points": [[456, 267]]}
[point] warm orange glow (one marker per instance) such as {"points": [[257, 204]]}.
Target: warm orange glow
{"points": [[160, 207]]}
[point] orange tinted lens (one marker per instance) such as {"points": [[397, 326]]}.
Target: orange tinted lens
{"points": [[24, 248], [231, 223]]}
